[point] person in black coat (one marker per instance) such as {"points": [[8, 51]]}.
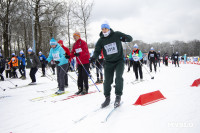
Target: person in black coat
{"points": [[152, 56], [158, 58], [2, 66], [176, 56]]}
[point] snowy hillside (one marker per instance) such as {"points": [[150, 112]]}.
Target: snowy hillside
{"points": [[34, 109]]}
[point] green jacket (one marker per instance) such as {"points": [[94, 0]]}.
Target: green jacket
{"points": [[111, 45]]}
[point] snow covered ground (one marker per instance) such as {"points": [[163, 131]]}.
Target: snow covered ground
{"points": [[20, 112]]}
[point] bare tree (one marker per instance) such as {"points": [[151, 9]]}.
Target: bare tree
{"points": [[82, 11]]}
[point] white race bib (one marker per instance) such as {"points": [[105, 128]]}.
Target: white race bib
{"points": [[111, 48], [151, 55], [78, 50], [41, 58], [56, 56], [13, 59], [176, 57]]}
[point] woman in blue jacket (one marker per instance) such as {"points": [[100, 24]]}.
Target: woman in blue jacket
{"points": [[22, 64], [58, 54]]}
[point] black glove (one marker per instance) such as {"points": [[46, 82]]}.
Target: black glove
{"points": [[92, 59], [123, 39], [76, 54], [46, 62], [57, 62], [67, 56]]}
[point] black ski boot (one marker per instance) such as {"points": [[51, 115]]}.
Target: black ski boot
{"points": [[85, 91], [117, 101], [106, 102], [79, 91]]}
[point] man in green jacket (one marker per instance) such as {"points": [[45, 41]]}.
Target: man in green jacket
{"points": [[110, 42]]}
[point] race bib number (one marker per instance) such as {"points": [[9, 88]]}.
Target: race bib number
{"points": [[111, 48], [175, 57], [13, 59], [41, 58], [78, 50], [56, 56], [151, 55]]}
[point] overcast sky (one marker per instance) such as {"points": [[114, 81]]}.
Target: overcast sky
{"points": [[148, 20]]}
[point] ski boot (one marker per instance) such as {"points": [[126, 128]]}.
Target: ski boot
{"points": [[79, 91], [106, 102], [85, 91], [59, 92], [32, 83], [117, 101], [97, 81], [43, 75], [101, 81]]}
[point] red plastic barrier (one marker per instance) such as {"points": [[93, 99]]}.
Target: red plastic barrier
{"points": [[149, 98], [196, 83]]}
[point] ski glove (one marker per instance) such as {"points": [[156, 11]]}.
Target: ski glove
{"points": [[57, 62], [76, 54], [46, 62], [67, 56], [123, 39]]}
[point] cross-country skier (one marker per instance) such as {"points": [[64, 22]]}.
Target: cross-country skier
{"points": [[2, 66], [176, 60], [58, 54], [14, 64], [152, 56], [80, 50], [158, 58], [110, 42], [34, 65], [166, 59], [43, 63], [136, 55], [7, 69], [99, 65], [53, 65], [22, 64]]}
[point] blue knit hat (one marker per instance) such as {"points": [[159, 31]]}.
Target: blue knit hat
{"points": [[105, 25], [13, 54], [40, 53], [21, 52], [135, 46], [152, 48], [53, 41], [30, 50]]}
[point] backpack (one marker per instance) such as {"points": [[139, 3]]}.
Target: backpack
{"points": [[166, 57]]}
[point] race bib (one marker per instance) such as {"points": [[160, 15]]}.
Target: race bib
{"points": [[13, 59], [78, 50], [41, 58], [111, 48], [175, 57], [151, 55], [56, 56]]}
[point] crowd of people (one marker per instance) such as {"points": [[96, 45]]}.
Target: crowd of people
{"points": [[108, 54]]}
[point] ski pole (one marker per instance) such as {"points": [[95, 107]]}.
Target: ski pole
{"points": [[98, 69], [49, 77], [88, 73], [99, 63], [152, 77], [10, 81]]}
